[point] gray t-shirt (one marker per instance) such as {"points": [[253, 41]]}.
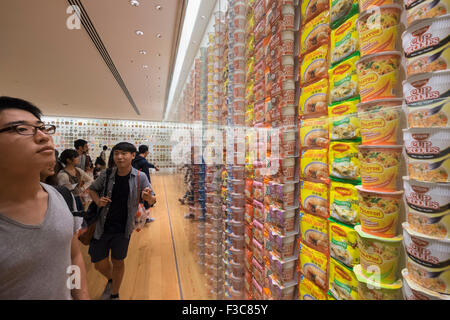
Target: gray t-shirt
{"points": [[34, 259]]}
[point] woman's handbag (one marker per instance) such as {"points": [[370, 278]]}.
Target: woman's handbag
{"points": [[91, 216]]}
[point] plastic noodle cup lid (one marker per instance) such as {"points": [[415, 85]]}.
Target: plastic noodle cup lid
{"points": [[387, 6], [362, 105], [373, 55], [376, 285], [386, 193], [366, 235], [426, 292]]}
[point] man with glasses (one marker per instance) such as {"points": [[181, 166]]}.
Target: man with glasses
{"points": [[39, 253]]}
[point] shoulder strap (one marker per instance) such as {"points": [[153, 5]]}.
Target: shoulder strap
{"points": [[137, 187], [67, 195], [108, 174]]}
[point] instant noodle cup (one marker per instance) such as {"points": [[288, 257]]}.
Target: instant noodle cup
{"points": [[379, 211], [344, 39], [315, 33], [314, 266], [285, 219], [239, 64], [379, 76], [287, 17], [367, 4], [379, 166], [431, 253], [237, 213], [422, 88], [314, 164], [344, 79], [309, 291], [238, 185], [379, 29], [239, 36], [314, 198], [379, 256], [314, 98], [430, 115], [284, 245], [288, 142], [282, 194], [284, 269], [368, 289], [343, 243], [344, 202], [413, 291], [314, 231], [428, 207], [380, 120], [287, 67], [280, 292], [239, 77], [238, 200], [343, 283], [314, 66], [425, 9], [287, 42], [239, 22], [426, 47], [288, 118], [238, 172], [288, 92], [428, 150], [288, 169], [312, 8], [434, 279], [341, 10], [343, 160]]}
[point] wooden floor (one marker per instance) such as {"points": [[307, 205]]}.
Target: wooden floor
{"points": [[161, 262]]}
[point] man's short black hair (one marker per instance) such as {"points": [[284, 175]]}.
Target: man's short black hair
{"points": [[105, 148], [15, 103], [79, 143], [124, 146], [143, 149]]}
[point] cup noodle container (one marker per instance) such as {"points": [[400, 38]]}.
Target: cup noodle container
{"points": [[288, 139], [427, 86], [380, 121], [238, 227], [379, 211], [413, 291], [379, 256], [368, 289], [288, 169], [379, 29], [287, 17], [238, 172], [238, 213], [284, 245], [428, 207], [280, 292], [239, 50], [287, 67], [288, 92], [428, 260], [379, 167], [285, 219], [283, 269], [239, 22], [239, 90], [287, 42], [239, 36], [239, 77], [239, 64], [376, 79]]}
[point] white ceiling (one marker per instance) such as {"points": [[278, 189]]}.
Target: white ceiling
{"points": [[61, 70]]}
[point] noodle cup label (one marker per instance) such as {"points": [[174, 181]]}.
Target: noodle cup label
{"points": [[367, 4], [379, 167], [379, 256], [368, 289], [380, 121], [427, 86], [380, 40], [379, 211], [425, 9], [431, 115], [413, 291], [435, 279], [379, 76]]}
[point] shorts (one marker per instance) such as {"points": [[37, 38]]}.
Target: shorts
{"points": [[116, 243]]}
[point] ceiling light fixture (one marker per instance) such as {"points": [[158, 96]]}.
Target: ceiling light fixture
{"points": [[158, 7], [158, 35], [139, 32], [134, 3], [145, 66], [143, 52]]}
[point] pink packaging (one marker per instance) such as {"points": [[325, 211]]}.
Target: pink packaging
{"points": [[258, 210], [287, 17], [258, 191], [258, 231], [285, 219], [258, 271], [258, 251]]}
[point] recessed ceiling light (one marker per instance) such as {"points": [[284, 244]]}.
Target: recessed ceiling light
{"points": [[142, 52], [203, 17], [158, 35], [158, 7], [139, 32], [134, 3], [159, 54], [145, 66]]}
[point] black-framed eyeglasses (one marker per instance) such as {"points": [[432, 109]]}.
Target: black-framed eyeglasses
{"points": [[30, 130]]}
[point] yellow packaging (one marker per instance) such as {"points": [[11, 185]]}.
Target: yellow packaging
{"points": [[343, 243], [311, 8], [309, 291], [314, 232], [379, 76], [314, 132], [343, 160], [314, 65], [344, 40], [379, 29], [314, 164], [314, 198], [315, 33], [343, 283], [344, 120], [379, 256], [344, 203], [342, 10], [368, 289], [314, 266], [314, 98], [344, 79]]}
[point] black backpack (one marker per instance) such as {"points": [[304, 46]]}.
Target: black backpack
{"points": [[67, 195]]}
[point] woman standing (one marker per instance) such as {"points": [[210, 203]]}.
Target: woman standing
{"points": [[73, 178]]}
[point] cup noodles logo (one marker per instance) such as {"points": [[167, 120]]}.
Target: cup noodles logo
{"points": [[420, 145], [421, 40], [421, 92], [420, 199]]}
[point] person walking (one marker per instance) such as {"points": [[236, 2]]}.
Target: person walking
{"points": [[39, 252], [126, 187], [82, 147], [72, 177], [103, 155], [141, 164]]}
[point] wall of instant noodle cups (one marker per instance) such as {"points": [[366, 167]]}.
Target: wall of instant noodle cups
{"points": [[359, 208]]}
